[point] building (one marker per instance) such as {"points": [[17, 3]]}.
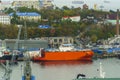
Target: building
{"points": [[37, 4], [56, 41], [111, 18], [31, 16], [46, 4], [26, 3], [4, 4], [85, 6], [28, 44], [4, 18], [72, 18]]}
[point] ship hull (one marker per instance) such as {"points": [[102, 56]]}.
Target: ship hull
{"points": [[64, 56]]}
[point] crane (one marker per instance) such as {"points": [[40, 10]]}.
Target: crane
{"points": [[27, 67], [8, 69]]}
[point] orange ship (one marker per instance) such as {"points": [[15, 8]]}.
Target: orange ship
{"points": [[65, 52]]}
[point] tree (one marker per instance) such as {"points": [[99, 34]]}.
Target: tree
{"points": [[8, 10], [65, 8], [94, 38], [15, 19]]}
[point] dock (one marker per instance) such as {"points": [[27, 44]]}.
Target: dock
{"points": [[111, 55]]}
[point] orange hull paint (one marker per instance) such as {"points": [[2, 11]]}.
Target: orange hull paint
{"points": [[68, 55]]}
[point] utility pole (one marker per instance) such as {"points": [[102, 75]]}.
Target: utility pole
{"points": [[117, 23]]}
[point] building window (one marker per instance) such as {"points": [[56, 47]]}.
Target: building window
{"points": [[55, 40], [70, 40], [66, 40], [60, 40]]}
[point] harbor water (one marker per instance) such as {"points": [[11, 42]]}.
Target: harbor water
{"points": [[67, 70]]}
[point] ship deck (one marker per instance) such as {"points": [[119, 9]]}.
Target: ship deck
{"points": [[97, 79]]}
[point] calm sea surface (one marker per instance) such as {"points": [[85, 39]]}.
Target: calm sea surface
{"points": [[67, 70]]}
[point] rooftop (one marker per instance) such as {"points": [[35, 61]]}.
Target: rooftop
{"points": [[25, 14]]}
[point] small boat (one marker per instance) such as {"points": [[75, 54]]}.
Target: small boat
{"points": [[63, 53], [5, 54]]}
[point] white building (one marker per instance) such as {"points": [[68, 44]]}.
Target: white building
{"points": [[26, 3], [37, 4], [46, 3], [4, 18], [72, 18], [31, 16], [4, 4]]}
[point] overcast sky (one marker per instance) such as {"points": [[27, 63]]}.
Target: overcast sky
{"points": [[108, 4]]}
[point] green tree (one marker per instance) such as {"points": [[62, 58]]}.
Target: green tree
{"points": [[8, 10], [15, 19], [94, 38]]}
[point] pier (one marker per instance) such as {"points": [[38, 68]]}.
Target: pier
{"points": [[111, 55]]}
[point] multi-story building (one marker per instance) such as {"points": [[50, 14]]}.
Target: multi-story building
{"points": [[46, 4], [4, 4], [4, 18], [29, 44], [26, 3], [56, 41], [31, 16], [37, 4]]}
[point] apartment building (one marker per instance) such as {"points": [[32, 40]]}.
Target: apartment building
{"points": [[4, 4], [37, 4], [26, 3], [46, 3], [4, 18], [31, 16]]}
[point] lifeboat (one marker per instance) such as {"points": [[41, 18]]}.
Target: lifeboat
{"points": [[63, 53]]}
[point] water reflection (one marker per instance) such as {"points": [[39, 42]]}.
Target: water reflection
{"points": [[62, 63]]}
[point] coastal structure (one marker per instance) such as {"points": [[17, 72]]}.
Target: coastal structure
{"points": [[56, 41], [112, 45], [30, 44]]}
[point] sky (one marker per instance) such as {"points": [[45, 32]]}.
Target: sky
{"points": [[108, 4]]}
